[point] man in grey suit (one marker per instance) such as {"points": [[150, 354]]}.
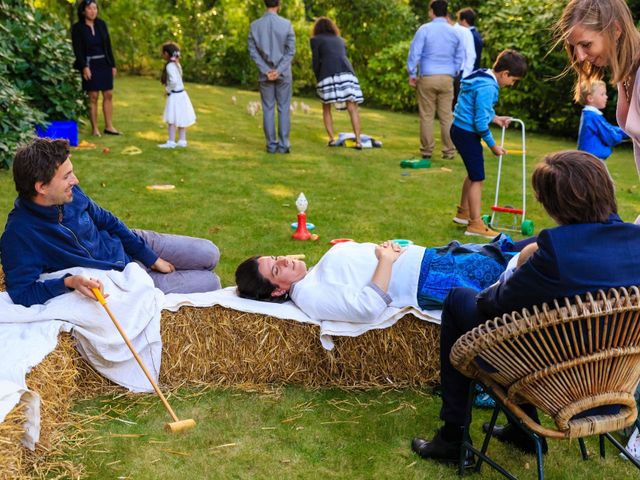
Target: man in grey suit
{"points": [[272, 45]]}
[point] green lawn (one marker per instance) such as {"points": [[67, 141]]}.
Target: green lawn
{"points": [[230, 191]]}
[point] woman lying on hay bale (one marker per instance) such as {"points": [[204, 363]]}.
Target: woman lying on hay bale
{"points": [[358, 281]]}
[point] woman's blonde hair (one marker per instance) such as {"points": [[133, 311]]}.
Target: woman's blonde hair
{"points": [[588, 88], [611, 18]]}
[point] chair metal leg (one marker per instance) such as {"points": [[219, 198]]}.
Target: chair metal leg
{"points": [[622, 449], [583, 449], [601, 440], [539, 459], [487, 437], [466, 442]]}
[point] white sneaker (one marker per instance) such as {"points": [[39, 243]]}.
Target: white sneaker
{"points": [[182, 143], [169, 144]]}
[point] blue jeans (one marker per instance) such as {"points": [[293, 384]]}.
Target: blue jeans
{"points": [[194, 259]]}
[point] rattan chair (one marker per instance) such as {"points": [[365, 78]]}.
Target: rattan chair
{"points": [[564, 360]]}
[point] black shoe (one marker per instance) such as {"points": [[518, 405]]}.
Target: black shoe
{"points": [[111, 132], [426, 157], [515, 436], [440, 450]]}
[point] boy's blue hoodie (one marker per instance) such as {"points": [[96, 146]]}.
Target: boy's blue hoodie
{"points": [[474, 110], [40, 239]]}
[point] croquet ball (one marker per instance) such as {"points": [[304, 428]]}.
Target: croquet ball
{"points": [[314, 237], [403, 242], [310, 226], [486, 219], [527, 227], [106, 150]]}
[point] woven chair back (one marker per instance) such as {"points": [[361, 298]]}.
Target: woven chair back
{"points": [[565, 360]]}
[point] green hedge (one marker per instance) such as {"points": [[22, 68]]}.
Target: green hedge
{"points": [[37, 83]]}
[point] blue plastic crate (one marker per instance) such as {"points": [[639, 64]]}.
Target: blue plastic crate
{"points": [[60, 129]]}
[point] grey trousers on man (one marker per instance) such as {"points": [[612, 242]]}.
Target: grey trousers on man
{"points": [[194, 259], [277, 93]]}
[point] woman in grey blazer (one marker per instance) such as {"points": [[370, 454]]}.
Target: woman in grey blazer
{"points": [[337, 82]]}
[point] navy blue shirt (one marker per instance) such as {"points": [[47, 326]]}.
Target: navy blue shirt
{"points": [[40, 239]]}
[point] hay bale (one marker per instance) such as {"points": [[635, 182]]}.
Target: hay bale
{"points": [[55, 379], [223, 347]]}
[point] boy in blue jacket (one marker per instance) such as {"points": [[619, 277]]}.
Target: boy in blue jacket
{"points": [[54, 225], [472, 116], [596, 135]]}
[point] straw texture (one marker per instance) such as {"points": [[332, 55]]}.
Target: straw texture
{"points": [[564, 360], [220, 347]]}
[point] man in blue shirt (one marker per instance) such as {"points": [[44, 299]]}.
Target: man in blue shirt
{"points": [[435, 58], [54, 225]]}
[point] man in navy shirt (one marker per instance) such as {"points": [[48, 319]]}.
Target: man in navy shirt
{"points": [[591, 249], [467, 18], [54, 225]]}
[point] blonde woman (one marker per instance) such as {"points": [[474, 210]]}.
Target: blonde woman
{"points": [[600, 36]]}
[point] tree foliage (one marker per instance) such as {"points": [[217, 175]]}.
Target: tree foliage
{"points": [[213, 37], [37, 83]]}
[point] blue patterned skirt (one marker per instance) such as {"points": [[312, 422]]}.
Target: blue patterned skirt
{"points": [[475, 266]]}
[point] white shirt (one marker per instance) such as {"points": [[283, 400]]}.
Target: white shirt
{"points": [[466, 37], [174, 77], [339, 287]]}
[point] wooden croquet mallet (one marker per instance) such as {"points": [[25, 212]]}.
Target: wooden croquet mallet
{"points": [[173, 427]]}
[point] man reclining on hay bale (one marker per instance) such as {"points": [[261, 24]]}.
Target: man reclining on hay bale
{"points": [[590, 249], [356, 282], [54, 225]]}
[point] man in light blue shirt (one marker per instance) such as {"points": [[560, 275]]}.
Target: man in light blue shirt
{"points": [[435, 58]]}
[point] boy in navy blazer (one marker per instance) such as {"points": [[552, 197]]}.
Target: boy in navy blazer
{"points": [[590, 249]]}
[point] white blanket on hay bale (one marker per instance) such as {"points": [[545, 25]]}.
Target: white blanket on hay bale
{"points": [[28, 335]]}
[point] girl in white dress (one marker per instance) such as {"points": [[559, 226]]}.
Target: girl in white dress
{"points": [[178, 111]]}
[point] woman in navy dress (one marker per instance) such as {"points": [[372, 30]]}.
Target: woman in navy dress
{"points": [[337, 82], [94, 60]]}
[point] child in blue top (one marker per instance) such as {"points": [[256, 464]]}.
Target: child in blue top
{"points": [[472, 116], [596, 135]]}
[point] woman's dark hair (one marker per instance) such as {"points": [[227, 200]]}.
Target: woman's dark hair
{"points": [[574, 187], [82, 5], [38, 161], [173, 50], [511, 61], [325, 25], [251, 284]]}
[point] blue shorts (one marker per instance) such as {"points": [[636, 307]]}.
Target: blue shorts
{"points": [[470, 149]]}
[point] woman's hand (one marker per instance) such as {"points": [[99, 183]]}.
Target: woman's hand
{"points": [[114, 71], [389, 251], [86, 73], [386, 253], [163, 266]]}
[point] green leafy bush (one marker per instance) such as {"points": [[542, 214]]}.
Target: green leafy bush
{"points": [[387, 81], [17, 118], [542, 99], [37, 82]]}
